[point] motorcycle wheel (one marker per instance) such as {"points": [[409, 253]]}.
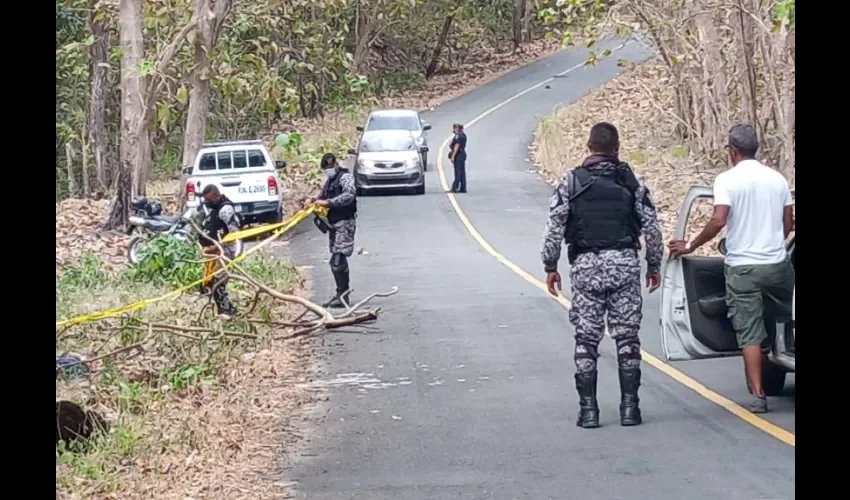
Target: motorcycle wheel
{"points": [[135, 248]]}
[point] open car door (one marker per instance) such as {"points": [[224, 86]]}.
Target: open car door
{"points": [[693, 300]]}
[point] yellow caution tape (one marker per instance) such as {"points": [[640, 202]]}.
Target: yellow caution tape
{"points": [[254, 231], [282, 227], [321, 211]]}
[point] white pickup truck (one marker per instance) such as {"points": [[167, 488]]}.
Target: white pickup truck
{"points": [[245, 173]]}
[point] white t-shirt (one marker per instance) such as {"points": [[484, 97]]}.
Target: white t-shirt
{"points": [[757, 196]]}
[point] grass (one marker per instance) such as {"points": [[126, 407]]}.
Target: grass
{"points": [[180, 399]]}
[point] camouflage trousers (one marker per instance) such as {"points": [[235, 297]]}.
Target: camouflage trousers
{"points": [[341, 237], [606, 284]]}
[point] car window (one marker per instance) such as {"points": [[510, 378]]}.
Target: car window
{"points": [[256, 158], [224, 162], [207, 162], [386, 142], [385, 122], [239, 159]]}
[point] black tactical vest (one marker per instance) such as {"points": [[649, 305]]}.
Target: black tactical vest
{"points": [[332, 189], [213, 225], [602, 210]]}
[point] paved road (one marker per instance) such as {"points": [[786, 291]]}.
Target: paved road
{"points": [[466, 391]]}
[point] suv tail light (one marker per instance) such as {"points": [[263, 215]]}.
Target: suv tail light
{"points": [[272, 185], [190, 191]]}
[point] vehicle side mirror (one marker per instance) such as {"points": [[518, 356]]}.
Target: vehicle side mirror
{"points": [[280, 164], [352, 151], [426, 126], [423, 149], [359, 128], [721, 247], [187, 170]]}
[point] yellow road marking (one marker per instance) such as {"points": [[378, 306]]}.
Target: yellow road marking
{"points": [[677, 375]]}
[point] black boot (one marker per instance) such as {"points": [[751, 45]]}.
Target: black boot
{"points": [[340, 300], [629, 409], [588, 413], [224, 307]]}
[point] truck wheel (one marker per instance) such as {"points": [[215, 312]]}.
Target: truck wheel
{"points": [[425, 162], [420, 189], [772, 378]]}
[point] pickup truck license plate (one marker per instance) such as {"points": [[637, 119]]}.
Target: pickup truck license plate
{"points": [[251, 189]]}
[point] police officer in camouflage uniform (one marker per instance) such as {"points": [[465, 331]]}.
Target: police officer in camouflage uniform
{"points": [[600, 209], [340, 195], [219, 219]]}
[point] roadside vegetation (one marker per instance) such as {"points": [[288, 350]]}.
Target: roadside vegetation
{"points": [[717, 63], [192, 411]]}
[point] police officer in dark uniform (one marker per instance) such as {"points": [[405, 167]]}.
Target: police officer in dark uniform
{"points": [[600, 209], [339, 194], [219, 220], [457, 154]]}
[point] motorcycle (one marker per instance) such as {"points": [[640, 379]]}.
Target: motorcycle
{"points": [[149, 222]]}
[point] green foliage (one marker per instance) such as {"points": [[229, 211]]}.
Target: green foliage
{"points": [[168, 260], [276, 273], [87, 272], [95, 459], [565, 18], [188, 375], [785, 12]]}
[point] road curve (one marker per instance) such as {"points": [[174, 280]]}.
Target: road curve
{"points": [[466, 390]]}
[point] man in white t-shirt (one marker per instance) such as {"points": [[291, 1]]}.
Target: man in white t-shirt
{"points": [[754, 202]]}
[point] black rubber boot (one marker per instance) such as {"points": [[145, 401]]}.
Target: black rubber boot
{"points": [[588, 413], [629, 401]]}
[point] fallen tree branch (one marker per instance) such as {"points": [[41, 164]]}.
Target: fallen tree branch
{"points": [[363, 302]]}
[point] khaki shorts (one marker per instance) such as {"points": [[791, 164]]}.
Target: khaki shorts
{"points": [[752, 291]]}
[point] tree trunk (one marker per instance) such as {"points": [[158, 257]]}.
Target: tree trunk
{"points": [[196, 114], [362, 32], [97, 134], [139, 175], [441, 42], [746, 65], [519, 13], [209, 27], [134, 136], [69, 164], [716, 106], [526, 21], [84, 162]]}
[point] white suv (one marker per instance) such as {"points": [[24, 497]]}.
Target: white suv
{"points": [[245, 173]]}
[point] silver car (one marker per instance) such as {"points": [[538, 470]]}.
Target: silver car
{"points": [[388, 159], [400, 119]]}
